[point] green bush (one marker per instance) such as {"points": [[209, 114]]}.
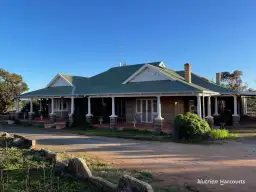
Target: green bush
{"points": [[190, 127], [218, 134]]}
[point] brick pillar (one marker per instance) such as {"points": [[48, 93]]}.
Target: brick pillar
{"points": [[89, 119], [236, 119], [17, 114], [30, 117], [53, 117], [159, 124], [70, 120], [113, 121]]}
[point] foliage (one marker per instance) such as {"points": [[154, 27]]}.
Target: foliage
{"points": [[26, 170], [218, 134], [190, 127], [233, 80], [26, 107], [11, 85]]}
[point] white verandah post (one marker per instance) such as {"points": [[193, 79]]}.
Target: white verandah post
{"points": [[203, 108], [159, 110], [31, 105], [113, 117], [17, 106], [71, 115], [235, 116], [113, 107], [89, 114], [199, 112], [209, 111], [159, 120], [72, 106], [235, 106], [216, 106], [52, 105]]}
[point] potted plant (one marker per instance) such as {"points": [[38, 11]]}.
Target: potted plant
{"points": [[100, 120]]}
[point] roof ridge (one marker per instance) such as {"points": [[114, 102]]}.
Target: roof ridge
{"points": [[72, 75]]}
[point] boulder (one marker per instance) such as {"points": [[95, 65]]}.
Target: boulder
{"points": [[78, 168], [52, 156], [103, 184], [5, 134], [131, 184]]}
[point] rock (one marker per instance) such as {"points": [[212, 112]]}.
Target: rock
{"points": [[17, 142], [131, 184], [60, 167], [103, 184], [78, 168], [52, 156], [5, 134]]}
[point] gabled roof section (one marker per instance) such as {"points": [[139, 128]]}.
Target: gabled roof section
{"points": [[152, 68], [69, 79], [59, 77], [207, 84]]}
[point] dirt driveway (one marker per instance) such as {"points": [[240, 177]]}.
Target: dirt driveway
{"points": [[175, 164]]}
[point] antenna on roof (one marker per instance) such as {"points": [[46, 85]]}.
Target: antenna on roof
{"points": [[121, 55]]}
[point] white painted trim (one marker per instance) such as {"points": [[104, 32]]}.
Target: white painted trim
{"points": [[141, 69], [56, 76]]}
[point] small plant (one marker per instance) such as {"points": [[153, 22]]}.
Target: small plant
{"points": [[218, 134]]}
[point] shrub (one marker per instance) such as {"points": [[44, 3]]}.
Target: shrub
{"points": [[190, 127], [218, 134]]}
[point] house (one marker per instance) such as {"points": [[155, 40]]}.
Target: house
{"points": [[142, 93]]}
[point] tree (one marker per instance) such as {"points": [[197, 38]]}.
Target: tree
{"points": [[11, 85], [233, 80]]}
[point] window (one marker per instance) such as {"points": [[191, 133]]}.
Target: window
{"points": [[60, 105]]}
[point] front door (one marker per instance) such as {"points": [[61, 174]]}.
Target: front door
{"points": [[146, 110]]}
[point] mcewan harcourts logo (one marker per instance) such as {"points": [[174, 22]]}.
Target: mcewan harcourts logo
{"points": [[220, 182]]}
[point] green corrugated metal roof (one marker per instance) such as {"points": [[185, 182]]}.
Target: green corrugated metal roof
{"points": [[201, 81], [111, 81], [50, 91]]}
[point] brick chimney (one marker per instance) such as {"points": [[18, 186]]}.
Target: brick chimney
{"points": [[218, 78], [187, 72]]}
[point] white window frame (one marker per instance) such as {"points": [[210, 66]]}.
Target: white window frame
{"points": [[153, 113], [59, 105]]}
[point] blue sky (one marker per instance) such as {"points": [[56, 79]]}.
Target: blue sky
{"points": [[41, 38]]}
